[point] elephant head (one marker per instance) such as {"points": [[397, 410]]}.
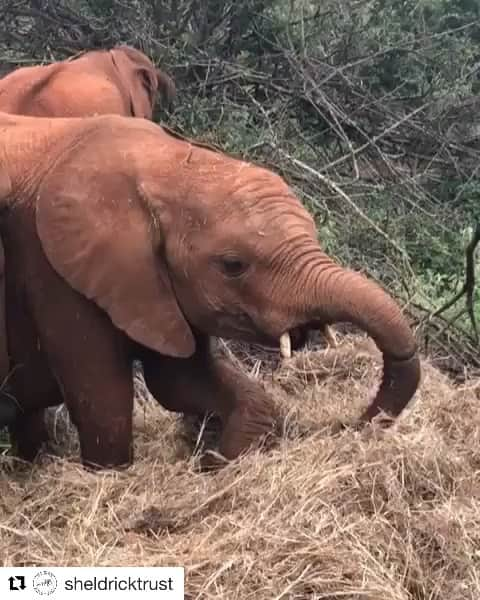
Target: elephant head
{"points": [[171, 238], [122, 80], [142, 80]]}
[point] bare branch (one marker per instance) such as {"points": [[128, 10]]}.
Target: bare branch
{"points": [[468, 288]]}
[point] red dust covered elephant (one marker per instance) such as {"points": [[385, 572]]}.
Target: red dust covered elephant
{"points": [[121, 81], [124, 242]]}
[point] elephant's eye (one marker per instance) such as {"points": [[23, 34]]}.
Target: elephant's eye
{"points": [[232, 266]]}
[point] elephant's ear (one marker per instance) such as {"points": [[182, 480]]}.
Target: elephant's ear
{"points": [[139, 78], [102, 240], [167, 89]]}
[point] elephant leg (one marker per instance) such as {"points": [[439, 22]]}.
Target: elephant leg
{"points": [[31, 389], [247, 411], [92, 366], [97, 387], [106, 439], [29, 433], [252, 416], [8, 410], [4, 356], [206, 384], [102, 415]]}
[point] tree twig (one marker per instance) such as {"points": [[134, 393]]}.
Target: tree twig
{"points": [[468, 288]]}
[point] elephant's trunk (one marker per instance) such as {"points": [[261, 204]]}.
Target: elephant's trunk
{"points": [[340, 295]]}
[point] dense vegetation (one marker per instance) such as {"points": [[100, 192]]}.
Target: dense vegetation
{"points": [[370, 109]]}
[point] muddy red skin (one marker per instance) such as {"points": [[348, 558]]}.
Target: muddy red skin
{"points": [[121, 81], [125, 242]]}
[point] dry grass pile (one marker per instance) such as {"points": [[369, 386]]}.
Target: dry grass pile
{"points": [[359, 515]]}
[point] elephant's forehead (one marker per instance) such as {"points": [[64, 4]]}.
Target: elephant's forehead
{"points": [[240, 197], [268, 202], [277, 219], [281, 224]]}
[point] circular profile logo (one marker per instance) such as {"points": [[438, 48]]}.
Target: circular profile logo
{"points": [[44, 583]]}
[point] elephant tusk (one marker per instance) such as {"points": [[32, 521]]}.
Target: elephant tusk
{"points": [[285, 345]]}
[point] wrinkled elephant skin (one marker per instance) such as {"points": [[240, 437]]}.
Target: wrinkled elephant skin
{"points": [[125, 242]]}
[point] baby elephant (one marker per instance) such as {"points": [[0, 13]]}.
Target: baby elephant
{"points": [[122, 242]]}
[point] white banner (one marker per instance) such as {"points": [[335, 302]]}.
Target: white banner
{"points": [[52, 583]]}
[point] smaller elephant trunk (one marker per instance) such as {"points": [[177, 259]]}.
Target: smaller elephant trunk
{"points": [[340, 295]]}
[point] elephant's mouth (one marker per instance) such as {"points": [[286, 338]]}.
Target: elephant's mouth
{"points": [[296, 338], [292, 340], [242, 326]]}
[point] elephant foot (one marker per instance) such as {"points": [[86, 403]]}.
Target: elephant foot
{"points": [[29, 434], [9, 410], [358, 425], [212, 462], [105, 431], [252, 425], [96, 468], [109, 447], [201, 432]]}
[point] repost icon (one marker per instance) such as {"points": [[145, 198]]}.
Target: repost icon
{"points": [[17, 583]]}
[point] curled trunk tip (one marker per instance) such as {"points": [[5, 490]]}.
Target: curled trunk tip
{"points": [[401, 379], [343, 295]]}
